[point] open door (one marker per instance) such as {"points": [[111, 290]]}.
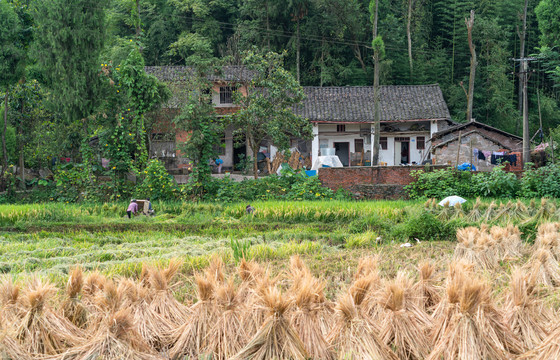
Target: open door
{"points": [[342, 150], [402, 150]]}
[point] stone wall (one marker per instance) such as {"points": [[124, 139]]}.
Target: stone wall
{"points": [[447, 154]]}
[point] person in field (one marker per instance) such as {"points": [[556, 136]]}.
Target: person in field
{"points": [[132, 208]]}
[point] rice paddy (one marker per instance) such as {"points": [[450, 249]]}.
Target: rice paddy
{"points": [[325, 280]]}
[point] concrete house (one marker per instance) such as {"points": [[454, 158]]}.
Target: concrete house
{"points": [[342, 118]]}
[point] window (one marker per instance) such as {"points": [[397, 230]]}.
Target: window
{"points": [[358, 145], [383, 142], [340, 128], [226, 94], [420, 143]]}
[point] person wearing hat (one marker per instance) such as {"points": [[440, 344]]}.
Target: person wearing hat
{"points": [[132, 208]]}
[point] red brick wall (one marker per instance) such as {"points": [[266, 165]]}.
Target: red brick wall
{"points": [[336, 178]]}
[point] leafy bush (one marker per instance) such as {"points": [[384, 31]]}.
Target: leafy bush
{"points": [[157, 183], [71, 181], [424, 226], [496, 183], [440, 183], [541, 182]]}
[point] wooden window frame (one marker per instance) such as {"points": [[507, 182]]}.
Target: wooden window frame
{"points": [[340, 128], [383, 142], [418, 142]]}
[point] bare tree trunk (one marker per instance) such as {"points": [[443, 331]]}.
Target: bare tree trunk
{"points": [[255, 149], [4, 150], [409, 36], [522, 34], [470, 23], [376, 94], [322, 62]]}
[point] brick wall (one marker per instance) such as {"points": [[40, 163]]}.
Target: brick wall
{"points": [[348, 177]]}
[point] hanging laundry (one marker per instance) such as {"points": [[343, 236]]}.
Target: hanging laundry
{"points": [[481, 155], [487, 154]]}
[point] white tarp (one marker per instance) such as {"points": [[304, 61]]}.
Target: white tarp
{"points": [[330, 161], [451, 201]]}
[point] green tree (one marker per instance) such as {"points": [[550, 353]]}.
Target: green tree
{"points": [[266, 111], [70, 38], [548, 15], [12, 62], [199, 119]]}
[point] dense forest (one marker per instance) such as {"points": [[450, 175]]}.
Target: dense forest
{"points": [[58, 57]]}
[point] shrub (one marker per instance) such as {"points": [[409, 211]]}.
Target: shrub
{"points": [[440, 183], [424, 226], [157, 183], [541, 182], [496, 183]]}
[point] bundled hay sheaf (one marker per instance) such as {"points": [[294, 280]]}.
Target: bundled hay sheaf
{"points": [[191, 339], [72, 307], [526, 314], [472, 327], [42, 330], [426, 293], [276, 339]]}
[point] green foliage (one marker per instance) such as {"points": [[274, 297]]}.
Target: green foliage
{"points": [[548, 15], [71, 181], [440, 183], [12, 51], [267, 109], [157, 184], [11, 146], [424, 226], [496, 183], [240, 249], [541, 182]]}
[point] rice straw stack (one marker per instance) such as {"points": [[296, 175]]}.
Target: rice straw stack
{"points": [[42, 331], [10, 311], [403, 325], [163, 313], [426, 293], [10, 349], [228, 335], [548, 349], [72, 307], [190, 339], [475, 329], [276, 339], [527, 315], [115, 339], [543, 268], [353, 336]]}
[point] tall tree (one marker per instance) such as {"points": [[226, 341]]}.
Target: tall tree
{"points": [[298, 10], [522, 35], [12, 60], [469, 22], [70, 38], [266, 111]]}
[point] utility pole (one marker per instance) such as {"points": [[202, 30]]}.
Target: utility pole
{"points": [[524, 78]]}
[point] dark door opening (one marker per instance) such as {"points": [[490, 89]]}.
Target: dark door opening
{"points": [[239, 153], [405, 152], [342, 150]]}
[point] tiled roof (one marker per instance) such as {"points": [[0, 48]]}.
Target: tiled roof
{"points": [[180, 73], [355, 103], [462, 126]]}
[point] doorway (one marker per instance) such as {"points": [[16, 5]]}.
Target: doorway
{"points": [[402, 151], [342, 150], [239, 153]]}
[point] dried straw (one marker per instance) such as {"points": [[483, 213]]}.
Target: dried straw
{"points": [[353, 337], [472, 328], [116, 339], [43, 331], [425, 291], [228, 335], [72, 307], [403, 325], [191, 339], [543, 268], [548, 349], [276, 339], [10, 349], [527, 315]]}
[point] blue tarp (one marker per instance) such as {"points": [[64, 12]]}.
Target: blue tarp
{"points": [[466, 167]]}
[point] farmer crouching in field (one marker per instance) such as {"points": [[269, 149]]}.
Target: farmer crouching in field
{"points": [[132, 208]]}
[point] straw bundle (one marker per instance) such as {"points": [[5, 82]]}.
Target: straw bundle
{"points": [[163, 312], [368, 265], [9, 307], [403, 325], [42, 330], [116, 339], [490, 212], [507, 242], [276, 339], [445, 213], [228, 334], [72, 307], [548, 349], [475, 329], [308, 317], [426, 293], [524, 312], [352, 336], [10, 349], [543, 268], [93, 285], [477, 247], [190, 339], [458, 212], [477, 212], [215, 270]]}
